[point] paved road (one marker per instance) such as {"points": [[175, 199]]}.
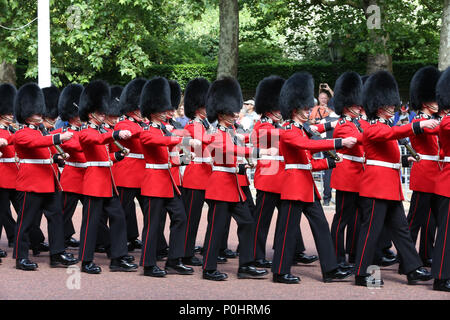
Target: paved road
{"points": [[60, 283]]}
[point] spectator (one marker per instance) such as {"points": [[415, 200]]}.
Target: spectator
{"points": [[249, 115], [321, 111], [180, 116]]}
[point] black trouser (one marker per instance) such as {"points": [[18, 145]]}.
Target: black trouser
{"points": [[8, 196], [33, 204], [287, 231], [377, 214], [154, 209], [346, 207], [93, 210], [326, 185], [69, 205], [251, 205], [265, 206], [193, 204], [127, 196], [36, 234], [162, 242], [352, 232], [421, 218], [219, 214], [440, 269]]}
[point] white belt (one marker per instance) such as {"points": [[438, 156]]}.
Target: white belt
{"points": [[135, 156], [36, 161], [76, 164], [446, 159], [391, 165], [174, 154], [428, 157], [279, 158], [353, 158], [157, 166], [7, 160], [198, 159], [99, 164], [298, 166], [225, 169]]}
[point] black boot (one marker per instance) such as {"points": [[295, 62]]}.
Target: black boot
{"points": [[214, 275], [3, 254], [121, 264], [192, 261], [26, 264], [176, 266], [368, 281], [263, 263], [304, 258], [154, 271], [90, 267], [441, 285], [63, 259], [418, 275], [250, 272], [285, 278], [337, 274]]}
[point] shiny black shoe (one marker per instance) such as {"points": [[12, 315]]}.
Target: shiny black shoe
{"points": [[221, 260], [62, 259], [198, 249], [427, 262], [337, 274], [121, 264], [41, 247], [134, 244], [285, 278], [176, 266], [263, 263], [368, 281], [227, 253], [250, 272], [419, 275], [214, 275], [387, 261], [3, 253], [441, 285], [304, 258], [346, 266], [389, 254], [192, 261], [71, 243], [154, 271], [90, 267], [128, 258], [26, 264]]}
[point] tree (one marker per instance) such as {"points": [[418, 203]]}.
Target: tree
{"points": [[229, 38], [444, 50]]}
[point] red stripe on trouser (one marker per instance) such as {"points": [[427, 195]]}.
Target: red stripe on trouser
{"points": [[414, 212], [445, 240], [367, 236], [20, 225], [339, 223], [189, 219], [257, 225], [146, 237], [87, 225], [284, 240], [426, 232], [210, 235], [354, 232]]}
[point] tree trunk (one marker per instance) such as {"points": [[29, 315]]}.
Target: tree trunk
{"points": [[229, 38], [444, 49], [7, 73], [381, 60]]}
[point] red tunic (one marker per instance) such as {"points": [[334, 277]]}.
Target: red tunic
{"points": [[442, 186], [9, 170]]}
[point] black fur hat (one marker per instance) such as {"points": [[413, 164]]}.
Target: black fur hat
{"points": [[443, 90], [267, 96], [347, 91], [94, 98], [7, 94], [51, 96], [155, 97], [195, 96], [297, 93], [129, 99], [68, 101], [114, 107], [423, 87], [364, 79], [29, 101], [380, 90], [224, 97], [175, 94]]}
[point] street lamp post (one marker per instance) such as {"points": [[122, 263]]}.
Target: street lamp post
{"points": [[44, 63]]}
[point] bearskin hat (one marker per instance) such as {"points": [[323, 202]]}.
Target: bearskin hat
{"points": [[94, 98], [114, 102], [443, 90], [29, 101], [423, 87], [195, 96], [224, 97], [364, 79], [380, 90], [297, 93], [347, 91], [51, 96], [129, 99], [267, 96], [175, 94], [155, 97], [7, 94], [68, 101]]}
